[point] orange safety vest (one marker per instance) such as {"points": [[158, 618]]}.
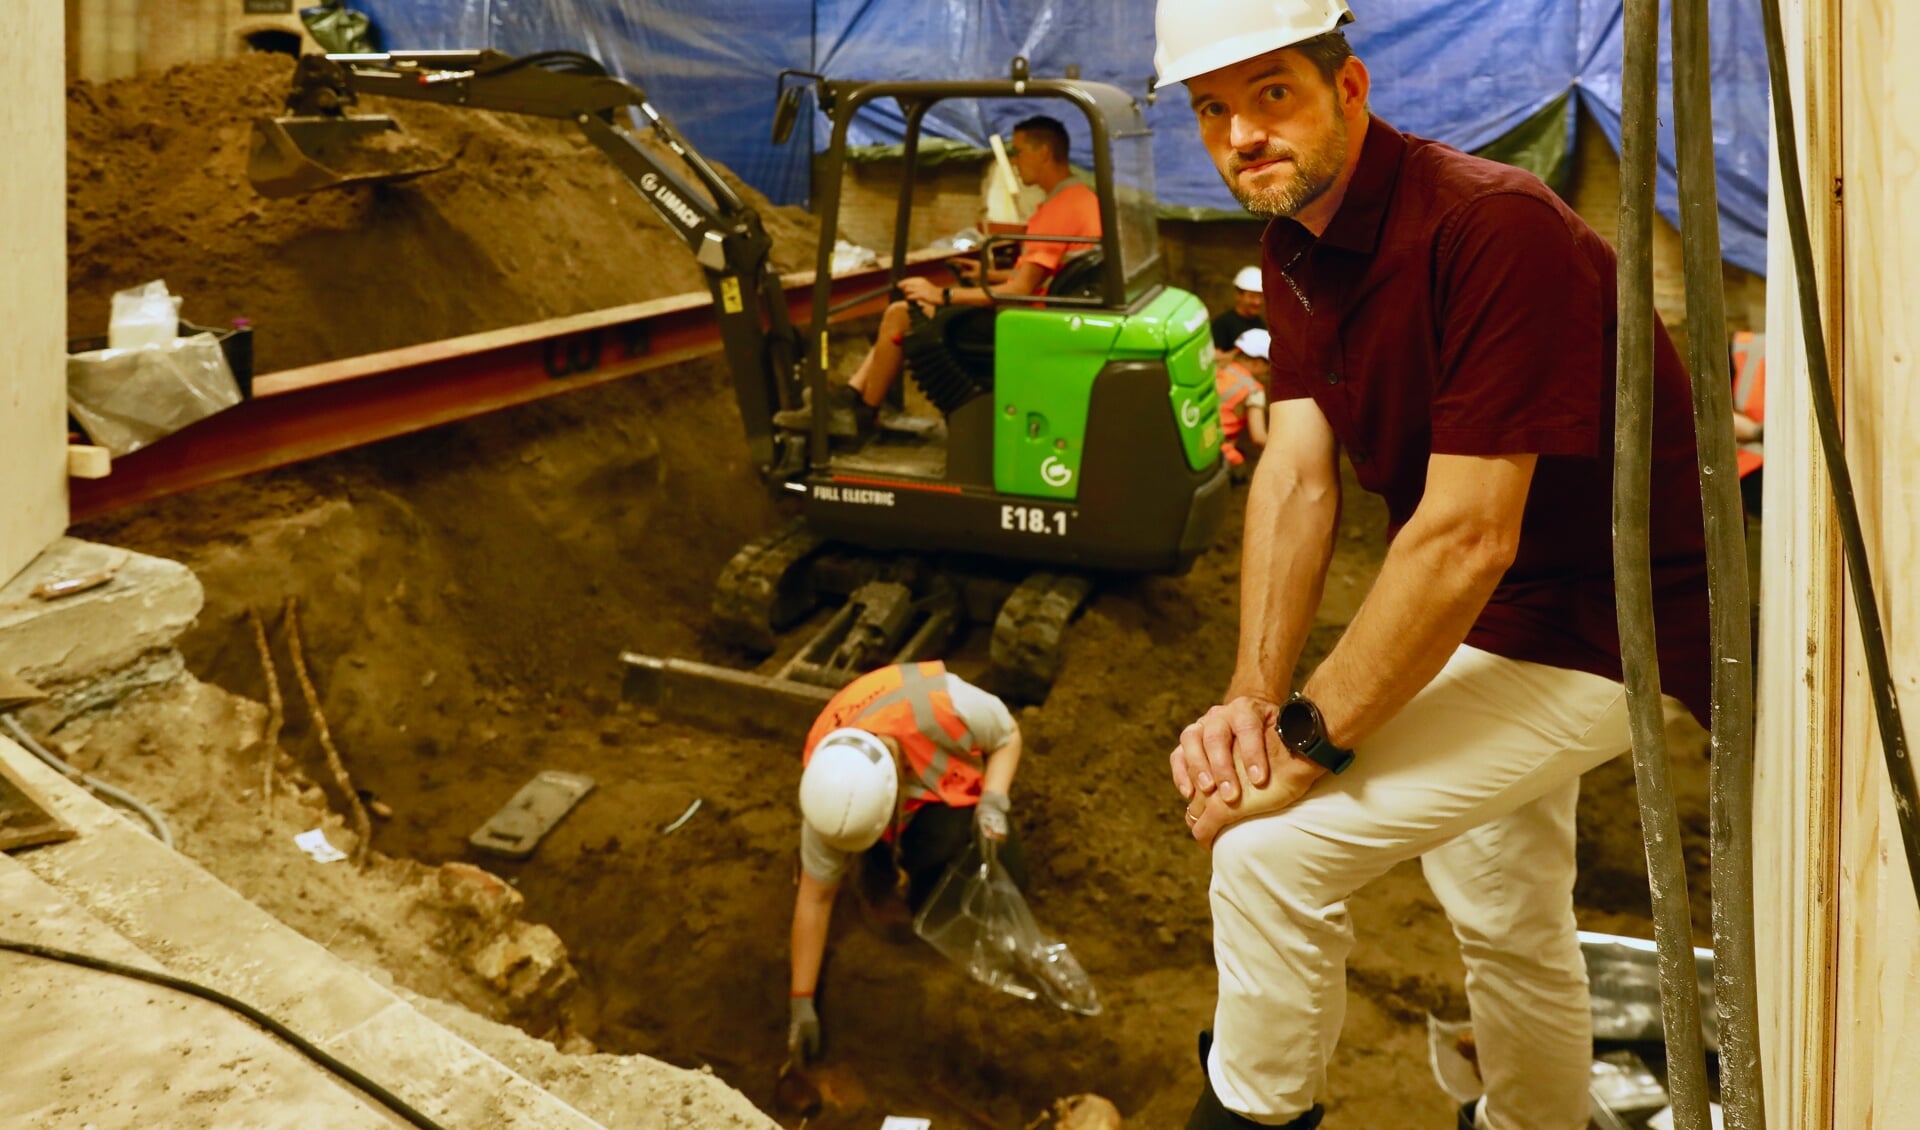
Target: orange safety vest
{"points": [[1236, 383], [1750, 392], [909, 703]]}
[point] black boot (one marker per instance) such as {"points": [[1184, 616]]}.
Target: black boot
{"points": [[1208, 1114]]}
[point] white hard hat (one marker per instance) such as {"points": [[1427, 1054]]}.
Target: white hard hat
{"points": [[1193, 37], [848, 790], [1254, 343], [1248, 279]]}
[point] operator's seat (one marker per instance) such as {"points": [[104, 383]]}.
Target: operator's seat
{"points": [[950, 352]]}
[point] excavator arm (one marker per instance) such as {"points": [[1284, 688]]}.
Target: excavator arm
{"points": [[321, 145]]}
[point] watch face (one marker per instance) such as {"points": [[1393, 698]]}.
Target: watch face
{"points": [[1298, 726]]}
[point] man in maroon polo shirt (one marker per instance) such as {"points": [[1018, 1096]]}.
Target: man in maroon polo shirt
{"points": [[1449, 323]]}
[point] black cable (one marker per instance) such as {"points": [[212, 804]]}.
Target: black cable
{"points": [[1873, 640], [372, 1089]]}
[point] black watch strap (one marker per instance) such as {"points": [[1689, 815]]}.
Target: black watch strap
{"points": [[1303, 731]]}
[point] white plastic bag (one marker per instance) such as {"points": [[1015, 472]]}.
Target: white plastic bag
{"points": [[127, 398], [978, 918], [146, 315]]}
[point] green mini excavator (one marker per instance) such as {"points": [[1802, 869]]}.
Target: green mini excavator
{"points": [[1083, 442]]}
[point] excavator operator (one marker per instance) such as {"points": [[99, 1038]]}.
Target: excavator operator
{"points": [[1039, 156]]}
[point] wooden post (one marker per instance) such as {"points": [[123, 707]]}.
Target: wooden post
{"points": [[33, 307], [1797, 770], [1841, 929], [1877, 1079]]}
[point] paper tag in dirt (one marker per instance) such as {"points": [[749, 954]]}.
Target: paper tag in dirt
{"points": [[315, 844], [895, 1122]]}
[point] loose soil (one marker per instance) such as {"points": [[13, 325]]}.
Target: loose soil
{"points": [[464, 597], [529, 222]]}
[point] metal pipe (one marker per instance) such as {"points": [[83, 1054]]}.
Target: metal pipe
{"points": [[1633, 571], [1735, 993]]}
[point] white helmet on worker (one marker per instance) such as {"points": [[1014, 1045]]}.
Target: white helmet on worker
{"points": [[1249, 279], [848, 790], [1193, 37]]}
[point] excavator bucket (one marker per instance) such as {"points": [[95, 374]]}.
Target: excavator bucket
{"points": [[295, 156]]}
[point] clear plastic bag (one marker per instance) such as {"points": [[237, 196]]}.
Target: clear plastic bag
{"points": [[978, 918], [142, 316], [1624, 974], [1624, 1084], [127, 398]]}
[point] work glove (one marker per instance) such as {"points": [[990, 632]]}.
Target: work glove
{"points": [[990, 818], [803, 1030]]}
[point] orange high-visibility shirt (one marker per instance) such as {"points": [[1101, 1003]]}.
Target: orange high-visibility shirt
{"points": [[1071, 209]]}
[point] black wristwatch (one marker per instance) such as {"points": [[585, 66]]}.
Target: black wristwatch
{"points": [[946, 296], [1303, 731]]}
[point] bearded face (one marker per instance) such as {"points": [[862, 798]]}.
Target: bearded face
{"points": [[1277, 179]]}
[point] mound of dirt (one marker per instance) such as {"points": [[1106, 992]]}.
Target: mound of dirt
{"points": [[529, 222]]}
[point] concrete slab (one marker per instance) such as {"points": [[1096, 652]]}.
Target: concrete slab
{"points": [[147, 604], [112, 1052]]}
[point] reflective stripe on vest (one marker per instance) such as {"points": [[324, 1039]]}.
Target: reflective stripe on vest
{"points": [[1236, 384], [910, 704]]}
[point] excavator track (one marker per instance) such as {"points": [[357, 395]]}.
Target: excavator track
{"points": [[1029, 635], [766, 588]]}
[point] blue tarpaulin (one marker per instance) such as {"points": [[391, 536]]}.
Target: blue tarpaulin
{"points": [[1461, 71]]}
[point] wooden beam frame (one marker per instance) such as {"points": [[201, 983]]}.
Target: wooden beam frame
{"points": [[1877, 1025], [1798, 740]]}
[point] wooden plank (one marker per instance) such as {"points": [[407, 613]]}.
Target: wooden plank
{"points": [[1877, 1081], [26, 820], [1797, 747], [33, 305]]}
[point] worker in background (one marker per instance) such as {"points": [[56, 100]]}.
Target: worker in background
{"points": [[1248, 313], [1750, 413], [905, 767], [1071, 208], [1448, 323], [1242, 378]]}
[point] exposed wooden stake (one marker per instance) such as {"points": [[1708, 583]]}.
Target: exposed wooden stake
{"points": [[276, 709], [362, 826]]}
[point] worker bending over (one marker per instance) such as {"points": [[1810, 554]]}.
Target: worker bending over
{"points": [[1450, 324], [904, 767], [1039, 156]]}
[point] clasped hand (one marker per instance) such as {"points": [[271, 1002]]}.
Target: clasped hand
{"points": [[919, 290], [1230, 766]]}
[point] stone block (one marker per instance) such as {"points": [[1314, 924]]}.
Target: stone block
{"points": [[144, 607]]}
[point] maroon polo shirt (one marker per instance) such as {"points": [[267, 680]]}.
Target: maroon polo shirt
{"points": [[1457, 306]]}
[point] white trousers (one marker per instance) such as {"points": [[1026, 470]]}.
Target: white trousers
{"points": [[1480, 774]]}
